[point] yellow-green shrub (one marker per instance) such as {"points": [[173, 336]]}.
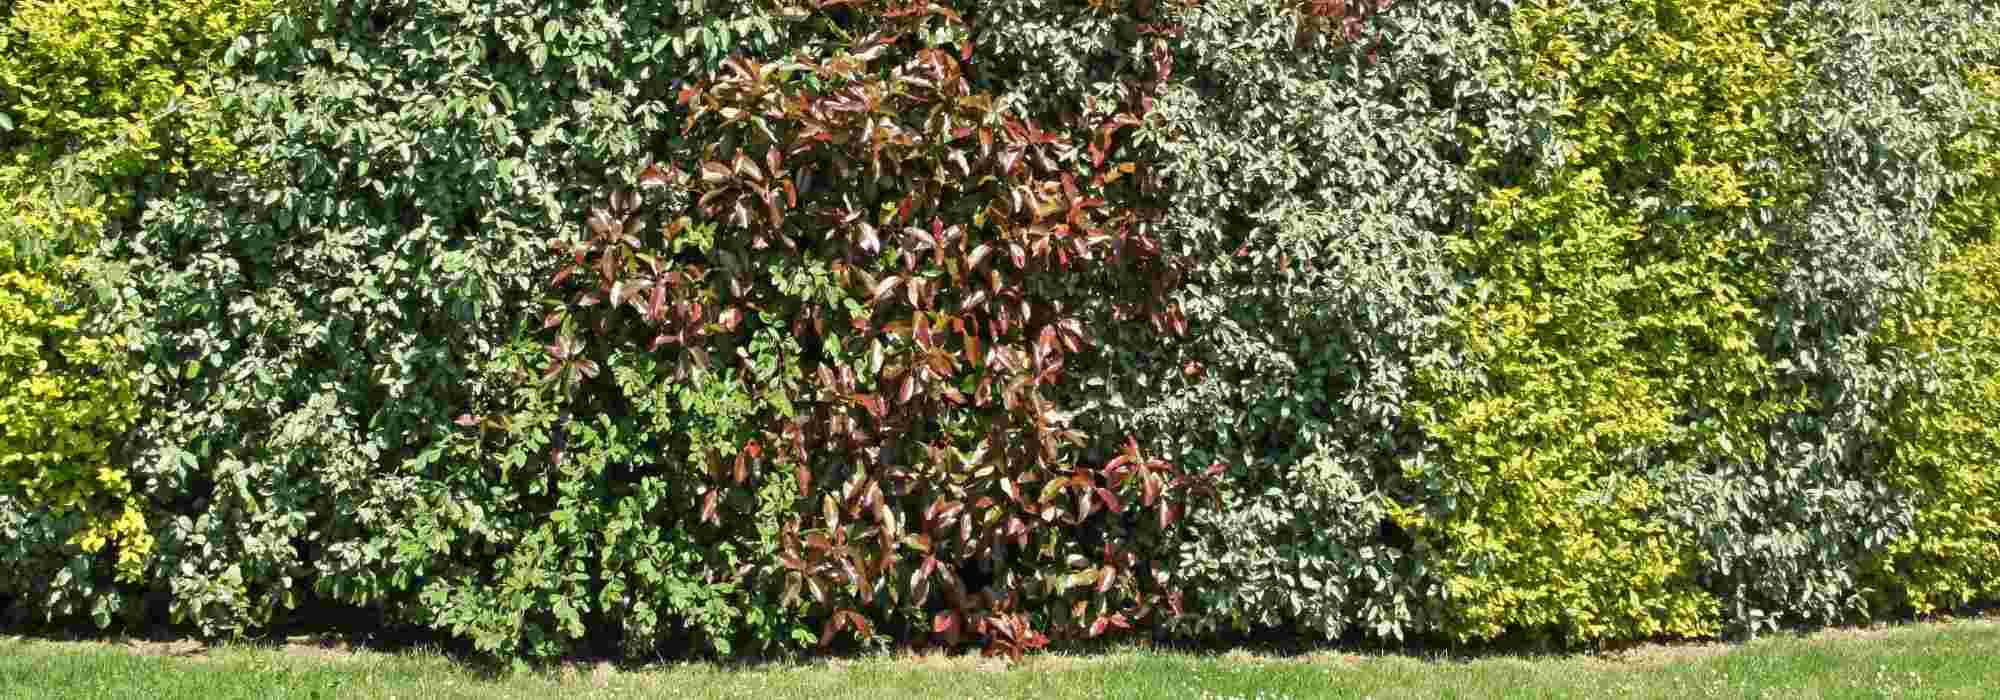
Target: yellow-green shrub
{"points": [[1946, 437], [99, 101], [95, 94], [1973, 214], [1611, 325], [102, 71], [64, 397], [1947, 443]]}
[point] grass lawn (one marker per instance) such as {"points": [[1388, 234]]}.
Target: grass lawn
{"points": [[1952, 659]]}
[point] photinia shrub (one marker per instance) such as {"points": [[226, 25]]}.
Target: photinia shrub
{"points": [[883, 262]]}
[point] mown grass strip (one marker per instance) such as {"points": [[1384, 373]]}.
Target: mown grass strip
{"points": [[1929, 660]]}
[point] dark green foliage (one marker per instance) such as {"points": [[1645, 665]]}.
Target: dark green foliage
{"points": [[317, 325]]}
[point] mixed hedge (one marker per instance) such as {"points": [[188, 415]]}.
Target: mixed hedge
{"points": [[739, 328]]}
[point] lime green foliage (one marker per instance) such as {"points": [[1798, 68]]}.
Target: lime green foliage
{"points": [[62, 401], [99, 100], [1973, 215], [1611, 324], [100, 70], [97, 93], [1947, 443]]}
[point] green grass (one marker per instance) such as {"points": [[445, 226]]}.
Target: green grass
{"points": [[1954, 659]]}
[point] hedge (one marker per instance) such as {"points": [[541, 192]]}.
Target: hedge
{"points": [[740, 328]]}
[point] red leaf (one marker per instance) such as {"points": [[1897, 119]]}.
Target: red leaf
{"points": [[861, 626], [774, 215], [978, 255], [714, 172], [602, 223], [884, 288], [1110, 500], [652, 177], [945, 623], [1112, 466], [972, 302], [709, 506]]}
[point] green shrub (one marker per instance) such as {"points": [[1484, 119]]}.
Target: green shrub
{"points": [[737, 327], [1312, 204], [1945, 447], [97, 96], [1787, 537], [315, 329]]}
